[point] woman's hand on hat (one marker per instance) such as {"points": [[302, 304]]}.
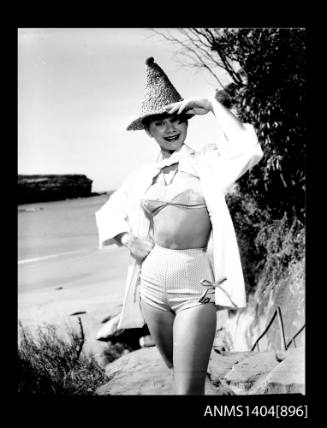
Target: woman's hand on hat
{"points": [[197, 106], [139, 248]]}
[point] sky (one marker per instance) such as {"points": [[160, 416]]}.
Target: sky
{"points": [[78, 90]]}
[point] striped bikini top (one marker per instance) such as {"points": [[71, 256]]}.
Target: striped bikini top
{"points": [[185, 193]]}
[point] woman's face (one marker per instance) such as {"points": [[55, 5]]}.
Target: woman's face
{"points": [[169, 132]]}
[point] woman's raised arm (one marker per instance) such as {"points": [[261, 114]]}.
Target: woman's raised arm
{"points": [[236, 148]]}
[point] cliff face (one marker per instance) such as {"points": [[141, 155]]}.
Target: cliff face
{"points": [[45, 188]]}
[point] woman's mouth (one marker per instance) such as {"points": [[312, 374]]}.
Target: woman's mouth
{"points": [[172, 138]]}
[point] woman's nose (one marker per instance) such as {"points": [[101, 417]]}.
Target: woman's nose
{"points": [[170, 126]]}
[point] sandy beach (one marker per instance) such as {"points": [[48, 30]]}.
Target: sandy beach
{"points": [[68, 277]]}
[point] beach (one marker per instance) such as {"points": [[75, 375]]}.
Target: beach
{"points": [[61, 271]]}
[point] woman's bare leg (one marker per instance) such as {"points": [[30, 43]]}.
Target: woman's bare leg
{"points": [[160, 324], [194, 332]]}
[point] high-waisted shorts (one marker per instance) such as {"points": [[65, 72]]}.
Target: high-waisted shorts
{"points": [[170, 279]]}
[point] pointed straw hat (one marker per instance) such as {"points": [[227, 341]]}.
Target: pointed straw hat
{"points": [[159, 92]]}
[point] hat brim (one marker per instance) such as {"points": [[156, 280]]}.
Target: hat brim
{"points": [[138, 123]]}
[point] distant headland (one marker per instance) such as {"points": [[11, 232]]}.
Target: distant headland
{"points": [[53, 187]]}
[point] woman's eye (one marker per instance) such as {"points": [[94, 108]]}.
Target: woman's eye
{"points": [[159, 123]]}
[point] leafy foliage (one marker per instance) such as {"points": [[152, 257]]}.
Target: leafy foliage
{"points": [[273, 100], [248, 220], [267, 246], [269, 92], [280, 244]]}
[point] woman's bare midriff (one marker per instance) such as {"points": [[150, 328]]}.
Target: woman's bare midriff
{"points": [[179, 228]]}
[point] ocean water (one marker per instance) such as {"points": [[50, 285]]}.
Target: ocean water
{"points": [[46, 230]]}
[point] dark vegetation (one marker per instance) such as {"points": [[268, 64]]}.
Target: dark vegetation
{"points": [[271, 225], [47, 363], [122, 341], [50, 363]]}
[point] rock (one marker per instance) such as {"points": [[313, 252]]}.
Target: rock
{"points": [[141, 372], [242, 328], [44, 188], [288, 377], [109, 327], [221, 364], [244, 374]]}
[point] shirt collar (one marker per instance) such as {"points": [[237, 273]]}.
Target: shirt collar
{"points": [[174, 158]]}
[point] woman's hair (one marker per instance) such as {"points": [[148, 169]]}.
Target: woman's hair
{"points": [[183, 117]]}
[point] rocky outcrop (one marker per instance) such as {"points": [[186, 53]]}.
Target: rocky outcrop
{"points": [[143, 372], [286, 377], [45, 188], [238, 330]]}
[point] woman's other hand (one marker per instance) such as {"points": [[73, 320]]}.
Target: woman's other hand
{"points": [[139, 248], [198, 106]]}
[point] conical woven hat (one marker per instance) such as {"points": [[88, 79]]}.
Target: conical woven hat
{"points": [[159, 92]]}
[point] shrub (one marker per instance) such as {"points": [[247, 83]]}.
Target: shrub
{"points": [[248, 220], [49, 364], [267, 245], [281, 243]]}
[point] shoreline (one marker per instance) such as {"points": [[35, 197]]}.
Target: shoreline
{"points": [[27, 204]]}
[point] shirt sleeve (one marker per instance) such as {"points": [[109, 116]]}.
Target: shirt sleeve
{"points": [[112, 217], [230, 158]]}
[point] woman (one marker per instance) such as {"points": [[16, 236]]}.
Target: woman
{"points": [[173, 218]]}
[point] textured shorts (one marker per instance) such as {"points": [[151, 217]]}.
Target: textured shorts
{"points": [[170, 279]]}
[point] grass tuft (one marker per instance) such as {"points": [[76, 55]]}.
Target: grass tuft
{"points": [[49, 364]]}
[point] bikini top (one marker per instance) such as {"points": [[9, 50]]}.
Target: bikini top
{"points": [[185, 193]]}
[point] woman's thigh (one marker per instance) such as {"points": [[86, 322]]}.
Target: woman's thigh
{"points": [[160, 324], [194, 331]]}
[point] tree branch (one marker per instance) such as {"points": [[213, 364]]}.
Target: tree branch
{"points": [[191, 47]]}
